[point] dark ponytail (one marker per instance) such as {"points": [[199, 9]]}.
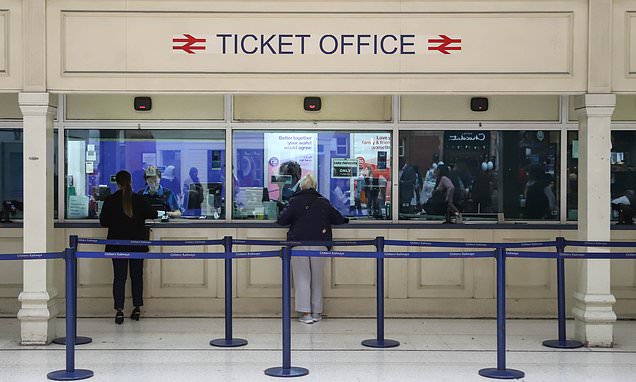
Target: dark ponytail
{"points": [[124, 180]]}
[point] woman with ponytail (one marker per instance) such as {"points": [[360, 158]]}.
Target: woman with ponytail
{"points": [[125, 214]]}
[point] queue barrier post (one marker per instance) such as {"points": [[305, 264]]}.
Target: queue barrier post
{"points": [[501, 372], [228, 341], [286, 370], [79, 340], [70, 373], [562, 342], [380, 341]]}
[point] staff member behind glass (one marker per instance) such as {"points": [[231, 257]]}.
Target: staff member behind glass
{"points": [[161, 199], [124, 213], [310, 217]]}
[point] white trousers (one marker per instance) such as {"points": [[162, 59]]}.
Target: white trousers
{"points": [[308, 273]]}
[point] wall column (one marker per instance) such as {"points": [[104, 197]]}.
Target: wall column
{"points": [[593, 311], [38, 309]]}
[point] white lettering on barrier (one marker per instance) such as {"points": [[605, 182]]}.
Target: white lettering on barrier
{"points": [[30, 255], [248, 253], [182, 255], [117, 254], [400, 254], [332, 253]]}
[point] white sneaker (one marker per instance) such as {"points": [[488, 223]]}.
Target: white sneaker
{"points": [[306, 319], [316, 317]]}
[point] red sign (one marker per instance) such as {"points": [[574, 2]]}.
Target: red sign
{"points": [[190, 44], [444, 43]]}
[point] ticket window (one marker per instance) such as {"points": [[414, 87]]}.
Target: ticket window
{"points": [[191, 164], [496, 174], [622, 170], [353, 171]]}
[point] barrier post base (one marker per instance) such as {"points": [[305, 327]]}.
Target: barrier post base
{"points": [[375, 343], [79, 340], [282, 372], [567, 344], [228, 343], [75, 375], [501, 373]]}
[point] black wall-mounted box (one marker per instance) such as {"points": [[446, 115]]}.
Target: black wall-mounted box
{"points": [[143, 103], [479, 104]]}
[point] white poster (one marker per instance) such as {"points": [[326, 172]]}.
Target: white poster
{"points": [[287, 146]]}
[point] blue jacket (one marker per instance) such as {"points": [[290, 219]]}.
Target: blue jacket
{"points": [[310, 217]]}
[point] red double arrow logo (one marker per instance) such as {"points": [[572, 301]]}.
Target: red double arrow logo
{"points": [[190, 44], [444, 42]]}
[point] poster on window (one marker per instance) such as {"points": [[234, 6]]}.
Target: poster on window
{"points": [[281, 147], [373, 151]]}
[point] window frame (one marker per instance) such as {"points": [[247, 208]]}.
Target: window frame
{"points": [[395, 126]]}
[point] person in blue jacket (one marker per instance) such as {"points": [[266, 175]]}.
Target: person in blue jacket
{"points": [[163, 200], [310, 217]]}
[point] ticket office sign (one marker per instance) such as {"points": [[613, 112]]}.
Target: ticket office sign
{"points": [[141, 43]]}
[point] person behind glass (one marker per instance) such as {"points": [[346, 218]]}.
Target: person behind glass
{"points": [[442, 200], [193, 193], [170, 181], [310, 217], [624, 205], [124, 213], [161, 199], [537, 194], [293, 169]]}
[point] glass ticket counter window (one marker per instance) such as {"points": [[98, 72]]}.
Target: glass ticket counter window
{"points": [[353, 170], [11, 186], [191, 164], [622, 170], [495, 175]]}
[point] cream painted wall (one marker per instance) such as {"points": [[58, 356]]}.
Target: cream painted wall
{"points": [[11, 45], [334, 108], [113, 45], [164, 107], [625, 108], [500, 108], [9, 106]]}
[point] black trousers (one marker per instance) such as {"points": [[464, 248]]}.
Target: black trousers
{"points": [[120, 273]]}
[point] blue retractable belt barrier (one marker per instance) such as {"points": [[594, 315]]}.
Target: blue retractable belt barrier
{"points": [[438, 255], [70, 373], [228, 340], [599, 255], [308, 253], [561, 342], [150, 255], [251, 255], [532, 255], [291, 243], [501, 372], [286, 370], [615, 244], [32, 256], [379, 341], [440, 244], [79, 340], [144, 243]]}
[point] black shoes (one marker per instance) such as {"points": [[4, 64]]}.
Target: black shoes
{"points": [[119, 317], [135, 314]]}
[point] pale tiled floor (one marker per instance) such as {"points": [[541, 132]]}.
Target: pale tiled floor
{"points": [[431, 350]]}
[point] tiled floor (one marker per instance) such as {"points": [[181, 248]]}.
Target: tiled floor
{"points": [[172, 349]]}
